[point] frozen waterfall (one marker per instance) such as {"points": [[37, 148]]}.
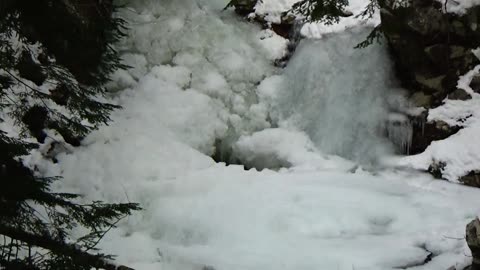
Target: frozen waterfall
{"points": [[196, 74], [340, 96]]}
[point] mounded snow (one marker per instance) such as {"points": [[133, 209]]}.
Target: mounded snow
{"points": [[278, 148]]}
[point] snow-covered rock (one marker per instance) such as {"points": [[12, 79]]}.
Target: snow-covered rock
{"points": [[436, 61], [458, 154]]}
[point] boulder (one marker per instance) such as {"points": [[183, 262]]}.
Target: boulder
{"points": [[430, 84], [459, 94], [471, 179], [473, 241], [475, 84], [420, 99], [243, 7], [424, 133], [436, 169]]}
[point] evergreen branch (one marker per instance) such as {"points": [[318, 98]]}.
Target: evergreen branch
{"points": [[375, 35], [324, 11], [102, 235], [45, 241]]}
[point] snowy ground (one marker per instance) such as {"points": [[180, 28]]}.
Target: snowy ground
{"points": [[199, 75]]}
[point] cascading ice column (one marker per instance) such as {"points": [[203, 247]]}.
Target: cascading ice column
{"points": [[338, 95]]}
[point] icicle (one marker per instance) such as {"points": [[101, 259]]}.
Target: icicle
{"points": [[400, 132]]}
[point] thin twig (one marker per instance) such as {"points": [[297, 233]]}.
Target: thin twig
{"points": [[100, 237]]}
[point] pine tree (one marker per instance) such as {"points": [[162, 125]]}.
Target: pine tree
{"points": [[41, 89], [76, 89], [325, 11], [35, 223], [330, 12]]}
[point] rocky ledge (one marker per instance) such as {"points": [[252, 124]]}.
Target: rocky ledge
{"points": [[432, 48]]}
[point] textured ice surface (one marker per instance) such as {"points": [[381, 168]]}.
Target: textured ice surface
{"points": [[337, 95]]}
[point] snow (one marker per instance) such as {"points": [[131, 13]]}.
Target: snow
{"points": [[175, 41], [20, 90], [234, 219], [275, 45], [279, 148], [459, 7], [271, 10], [356, 7], [200, 75], [459, 154]]}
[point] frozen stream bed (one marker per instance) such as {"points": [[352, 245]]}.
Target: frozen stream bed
{"points": [[227, 218], [200, 75]]}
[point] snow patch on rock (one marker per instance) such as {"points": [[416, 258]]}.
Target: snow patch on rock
{"points": [[459, 152], [272, 10], [459, 7]]}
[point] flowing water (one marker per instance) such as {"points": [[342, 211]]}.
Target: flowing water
{"points": [[340, 96]]}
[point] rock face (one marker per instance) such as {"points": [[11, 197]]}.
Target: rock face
{"points": [[473, 241], [431, 49], [423, 133], [243, 7]]}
